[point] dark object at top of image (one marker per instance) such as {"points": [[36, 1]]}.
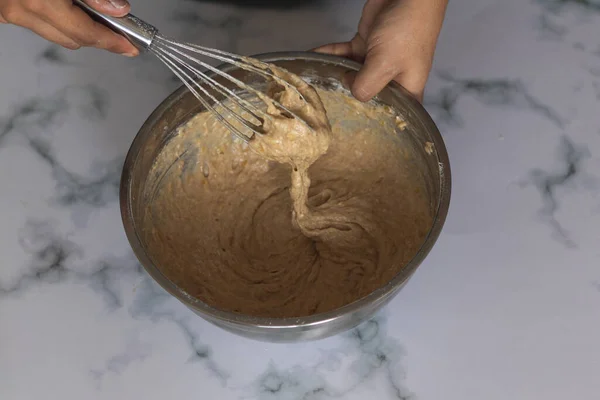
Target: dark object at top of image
{"points": [[274, 4]]}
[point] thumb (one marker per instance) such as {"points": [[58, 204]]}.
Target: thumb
{"points": [[379, 69], [354, 49], [114, 8], [343, 49]]}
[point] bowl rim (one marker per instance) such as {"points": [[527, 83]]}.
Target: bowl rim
{"points": [[314, 320]]}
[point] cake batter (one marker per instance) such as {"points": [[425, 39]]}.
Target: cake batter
{"points": [[227, 224]]}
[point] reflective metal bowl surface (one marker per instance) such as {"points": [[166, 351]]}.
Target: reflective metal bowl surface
{"points": [[180, 106]]}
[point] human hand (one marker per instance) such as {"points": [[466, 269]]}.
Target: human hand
{"points": [[396, 40], [62, 22]]}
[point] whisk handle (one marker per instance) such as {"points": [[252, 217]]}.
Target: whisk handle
{"points": [[138, 32]]}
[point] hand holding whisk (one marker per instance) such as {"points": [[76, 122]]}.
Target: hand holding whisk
{"points": [[244, 118]]}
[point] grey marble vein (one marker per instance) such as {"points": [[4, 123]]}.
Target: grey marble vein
{"points": [[72, 188], [42, 113], [366, 353], [550, 29], [34, 118], [93, 102], [153, 303], [596, 86], [106, 275], [49, 254], [490, 91], [561, 5], [56, 259], [547, 183], [36, 113], [136, 352], [53, 54]]}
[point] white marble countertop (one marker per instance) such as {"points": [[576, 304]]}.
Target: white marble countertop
{"points": [[507, 305]]}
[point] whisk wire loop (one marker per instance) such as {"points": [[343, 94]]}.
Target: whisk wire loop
{"points": [[184, 49]]}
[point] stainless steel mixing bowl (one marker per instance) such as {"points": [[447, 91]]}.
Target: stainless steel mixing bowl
{"points": [[323, 70]]}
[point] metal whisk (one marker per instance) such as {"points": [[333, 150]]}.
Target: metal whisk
{"points": [[183, 60]]}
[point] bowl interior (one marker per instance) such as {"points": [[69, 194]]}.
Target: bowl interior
{"points": [[325, 72]]}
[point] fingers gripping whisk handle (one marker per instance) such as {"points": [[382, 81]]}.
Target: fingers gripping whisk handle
{"points": [[140, 33]]}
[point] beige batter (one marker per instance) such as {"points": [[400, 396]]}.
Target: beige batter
{"points": [[226, 223]]}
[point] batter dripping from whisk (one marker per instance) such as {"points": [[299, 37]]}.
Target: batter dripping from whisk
{"points": [[297, 142], [219, 220]]}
